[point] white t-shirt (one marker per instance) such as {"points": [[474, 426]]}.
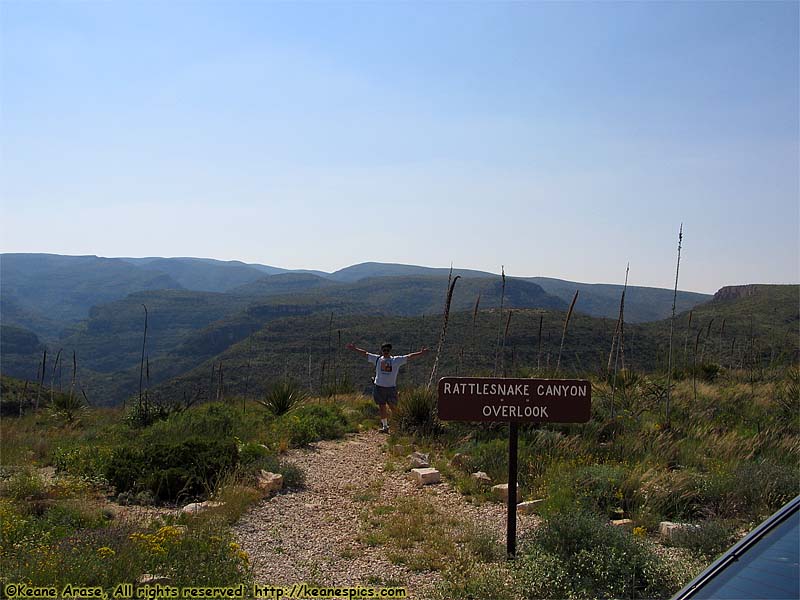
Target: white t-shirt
{"points": [[386, 368]]}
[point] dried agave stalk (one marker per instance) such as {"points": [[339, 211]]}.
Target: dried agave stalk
{"points": [[443, 334], [500, 319], [53, 376], [564, 331], [503, 351], [620, 329], [672, 325], [539, 352], [141, 366]]}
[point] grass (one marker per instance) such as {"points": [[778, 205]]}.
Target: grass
{"points": [[419, 536]]}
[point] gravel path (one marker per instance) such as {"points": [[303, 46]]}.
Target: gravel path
{"points": [[313, 535]]}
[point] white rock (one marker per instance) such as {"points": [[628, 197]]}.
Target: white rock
{"points": [[667, 529], [624, 523], [530, 507], [427, 476], [501, 491], [416, 462], [197, 507], [482, 477], [420, 456], [148, 579], [269, 482]]}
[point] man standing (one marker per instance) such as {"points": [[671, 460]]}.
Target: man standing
{"points": [[385, 390]]}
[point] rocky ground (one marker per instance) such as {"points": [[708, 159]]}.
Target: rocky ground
{"points": [[315, 535]]}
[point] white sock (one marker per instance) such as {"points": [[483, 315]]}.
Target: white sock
{"points": [[385, 422]]}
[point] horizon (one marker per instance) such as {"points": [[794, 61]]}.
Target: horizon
{"points": [[559, 140], [455, 268]]}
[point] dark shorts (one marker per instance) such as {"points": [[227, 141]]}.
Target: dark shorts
{"points": [[384, 395]]}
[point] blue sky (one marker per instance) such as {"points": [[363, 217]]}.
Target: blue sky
{"points": [[557, 139]]}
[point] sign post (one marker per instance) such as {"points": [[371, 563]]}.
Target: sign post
{"points": [[514, 401]]}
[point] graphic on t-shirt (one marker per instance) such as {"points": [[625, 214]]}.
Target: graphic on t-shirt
{"points": [[386, 365]]}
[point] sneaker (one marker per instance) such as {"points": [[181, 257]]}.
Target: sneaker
{"points": [[383, 429]]}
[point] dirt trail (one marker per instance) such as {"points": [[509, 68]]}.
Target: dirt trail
{"points": [[313, 535]]}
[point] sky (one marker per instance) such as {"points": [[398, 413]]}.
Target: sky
{"points": [[556, 139]]}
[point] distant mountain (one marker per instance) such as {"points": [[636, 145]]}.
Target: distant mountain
{"points": [[375, 269], [45, 289], [204, 274], [642, 304]]}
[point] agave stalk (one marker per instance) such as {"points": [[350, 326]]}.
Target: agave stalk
{"points": [[41, 377], [564, 331], [503, 351], [141, 366], [53, 376], [500, 318], [443, 334], [620, 329], [474, 322], [672, 325], [539, 351]]}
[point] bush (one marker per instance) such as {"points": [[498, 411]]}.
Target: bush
{"points": [[311, 423], [579, 555], [417, 412], [145, 414], [213, 420], [172, 471], [708, 539], [82, 461], [24, 485], [595, 488]]}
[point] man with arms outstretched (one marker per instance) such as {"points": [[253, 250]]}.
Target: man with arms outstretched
{"points": [[386, 366]]}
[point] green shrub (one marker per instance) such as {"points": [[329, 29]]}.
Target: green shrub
{"points": [[145, 414], [172, 471], [213, 420], [594, 488], [283, 397], [577, 554], [299, 431], [24, 485], [253, 455], [82, 461], [708, 539], [311, 423]]}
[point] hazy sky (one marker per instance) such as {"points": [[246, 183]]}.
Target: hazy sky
{"points": [[558, 139]]}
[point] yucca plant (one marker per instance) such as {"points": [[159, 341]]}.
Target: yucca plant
{"points": [[417, 411], [283, 397]]}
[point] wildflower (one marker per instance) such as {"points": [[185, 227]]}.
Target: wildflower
{"points": [[639, 531], [105, 552]]}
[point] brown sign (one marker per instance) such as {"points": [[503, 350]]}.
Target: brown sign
{"points": [[520, 400]]}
